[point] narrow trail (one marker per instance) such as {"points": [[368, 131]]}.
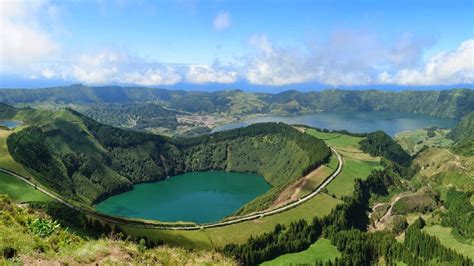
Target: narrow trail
{"points": [[381, 221], [234, 220]]}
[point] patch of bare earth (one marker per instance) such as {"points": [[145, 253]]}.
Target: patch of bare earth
{"points": [[381, 223], [292, 192]]}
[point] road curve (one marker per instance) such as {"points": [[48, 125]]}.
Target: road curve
{"points": [[234, 220]]}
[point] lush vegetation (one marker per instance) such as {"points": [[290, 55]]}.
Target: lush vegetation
{"points": [[460, 214], [463, 135], [448, 238], [131, 115], [380, 144], [19, 190], [415, 141], [32, 236], [345, 227], [446, 103], [322, 250], [86, 161]]}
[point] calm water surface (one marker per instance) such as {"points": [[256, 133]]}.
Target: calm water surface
{"points": [[198, 197], [10, 124], [359, 122]]}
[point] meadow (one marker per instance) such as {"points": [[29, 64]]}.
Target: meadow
{"points": [[321, 250], [447, 238], [20, 191], [358, 165]]}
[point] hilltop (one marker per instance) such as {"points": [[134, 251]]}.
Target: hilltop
{"points": [[85, 161]]}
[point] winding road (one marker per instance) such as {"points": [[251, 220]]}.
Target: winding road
{"points": [[233, 220]]}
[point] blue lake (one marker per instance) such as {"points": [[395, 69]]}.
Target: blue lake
{"points": [[10, 123], [198, 197], [357, 122]]}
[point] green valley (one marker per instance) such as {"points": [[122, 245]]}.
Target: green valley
{"points": [[83, 162], [246, 133]]}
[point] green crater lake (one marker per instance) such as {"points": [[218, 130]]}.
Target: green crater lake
{"points": [[200, 197]]}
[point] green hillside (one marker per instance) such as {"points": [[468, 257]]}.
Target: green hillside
{"points": [[463, 135], [380, 144], [86, 161], [132, 115], [30, 236], [454, 103]]}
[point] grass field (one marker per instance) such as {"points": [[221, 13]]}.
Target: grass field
{"points": [[20, 191], [357, 163], [440, 168], [6, 161], [320, 206], [335, 139], [321, 250], [319, 176], [343, 185], [413, 141], [447, 239]]}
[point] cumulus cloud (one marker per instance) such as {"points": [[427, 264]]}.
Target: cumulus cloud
{"points": [[358, 58], [23, 40], [115, 67], [210, 74], [275, 66], [221, 21], [454, 67], [346, 58], [154, 76]]}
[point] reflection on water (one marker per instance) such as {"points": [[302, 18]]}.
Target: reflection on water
{"points": [[359, 122], [199, 197]]}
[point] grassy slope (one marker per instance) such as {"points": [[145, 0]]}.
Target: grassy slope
{"points": [[446, 103], [120, 158], [320, 206], [19, 190], [441, 168], [343, 185], [357, 164], [360, 163], [321, 250], [6, 160], [413, 141], [447, 239], [64, 246], [463, 135], [321, 174]]}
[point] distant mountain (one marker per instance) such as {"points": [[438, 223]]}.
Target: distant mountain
{"points": [[453, 103]]}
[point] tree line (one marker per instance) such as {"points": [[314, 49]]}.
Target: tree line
{"points": [[346, 227]]}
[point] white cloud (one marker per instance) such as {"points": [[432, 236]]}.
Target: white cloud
{"points": [[114, 67], [221, 21], [454, 67], [275, 66], [346, 58], [358, 58], [156, 76], [210, 74], [23, 41], [48, 73]]}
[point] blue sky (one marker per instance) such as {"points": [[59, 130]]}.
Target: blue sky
{"points": [[229, 43]]}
